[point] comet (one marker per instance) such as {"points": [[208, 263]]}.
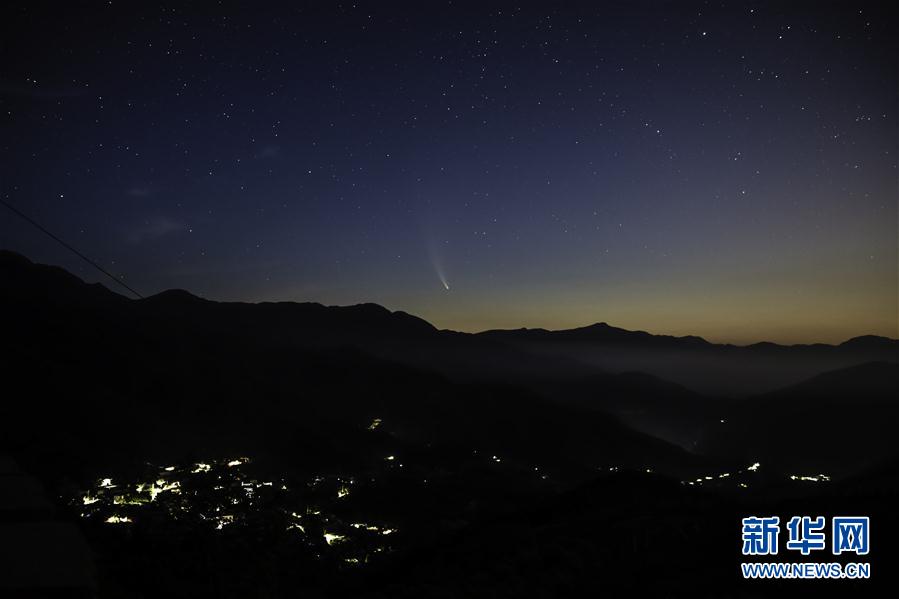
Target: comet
{"points": [[437, 263]]}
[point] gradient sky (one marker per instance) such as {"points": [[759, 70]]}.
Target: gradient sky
{"points": [[724, 170]]}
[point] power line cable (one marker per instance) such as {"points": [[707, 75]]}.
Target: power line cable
{"points": [[68, 247]]}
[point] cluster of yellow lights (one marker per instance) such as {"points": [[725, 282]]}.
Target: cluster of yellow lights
{"points": [[160, 486], [702, 479], [145, 492], [223, 521], [816, 478], [372, 528], [150, 491]]}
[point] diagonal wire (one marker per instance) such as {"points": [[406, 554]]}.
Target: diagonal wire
{"points": [[68, 247]]}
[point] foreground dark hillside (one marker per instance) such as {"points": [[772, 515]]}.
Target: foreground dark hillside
{"points": [[626, 534]]}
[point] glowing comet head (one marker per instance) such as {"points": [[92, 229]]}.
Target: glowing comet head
{"points": [[445, 284]]}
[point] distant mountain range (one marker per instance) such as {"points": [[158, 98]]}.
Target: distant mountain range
{"points": [[178, 361], [605, 334], [709, 368]]}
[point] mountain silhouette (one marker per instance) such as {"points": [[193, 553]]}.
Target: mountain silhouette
{"points": [[690, 361], [596, 333], [594, 368], [235, 375], [709, 368]]}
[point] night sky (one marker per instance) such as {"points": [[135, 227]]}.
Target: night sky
{"points": [[724, 170]]}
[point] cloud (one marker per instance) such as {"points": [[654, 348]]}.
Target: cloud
{"points": [[155, 228]]}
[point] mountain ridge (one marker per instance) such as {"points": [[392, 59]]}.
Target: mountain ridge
{"points": [[598, 332]]}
